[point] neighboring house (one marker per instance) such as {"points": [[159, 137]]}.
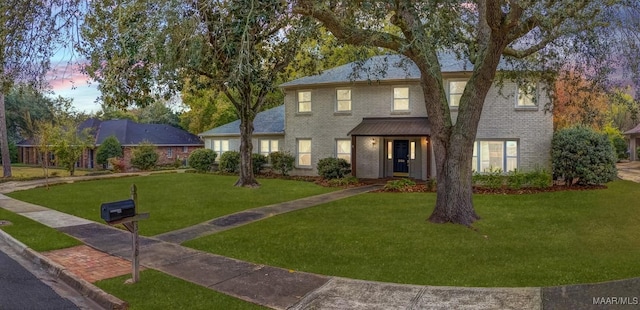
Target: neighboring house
{"points": [[634, 142], [378, 122], [172, 143]]}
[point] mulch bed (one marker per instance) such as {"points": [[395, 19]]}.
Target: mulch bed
{"points": [[421, 188]]}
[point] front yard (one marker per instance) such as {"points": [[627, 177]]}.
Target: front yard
{"points": [[522, 240], [174, 200]]}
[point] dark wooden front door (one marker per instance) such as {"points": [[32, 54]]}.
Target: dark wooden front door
{"points": [[400, 157]]}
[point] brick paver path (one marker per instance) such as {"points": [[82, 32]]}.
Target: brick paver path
{"points": [[90, 264]]}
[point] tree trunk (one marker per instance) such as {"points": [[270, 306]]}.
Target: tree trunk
{"points": [[4, 143], [247, 179]]}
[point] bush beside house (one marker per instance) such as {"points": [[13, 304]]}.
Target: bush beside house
{"points": [[282, 162], [144, 157], [202, 160]]}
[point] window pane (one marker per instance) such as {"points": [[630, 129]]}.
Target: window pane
{"points": [[512, 163], [304, 96], [401, 104], [344, 94], [527, 95], [304, 146], [412, 150], [216, 145], [304, 159], [344, 146], [401, 92], [304, 106], [274, 145], [474, 163], [454, 100], [344, 105], [512, 148], [264, 146], [491, 155], [457, 87], [225, 145]]}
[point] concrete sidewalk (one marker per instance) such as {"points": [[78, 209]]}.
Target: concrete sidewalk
{"points": [[280, 288]]}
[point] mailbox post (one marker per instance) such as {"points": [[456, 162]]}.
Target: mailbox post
{"points": [[124, 212]]}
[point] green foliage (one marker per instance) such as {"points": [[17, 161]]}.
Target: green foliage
{"points": [[537, 178], [117, 164], [144, 156], [202, 159], [282, 162], [398, 185], [109, 148], [333, 168], [229, 162], [617, 140], [68, 143], [583, 156], [345, 181], [492, 178], [258, 161], [515, 179]]}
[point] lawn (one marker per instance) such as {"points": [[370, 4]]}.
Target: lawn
{"points": [[35, 235], [522, 240], [157, 290], [174, 200]]}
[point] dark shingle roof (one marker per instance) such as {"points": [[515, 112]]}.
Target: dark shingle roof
{"points": [[392, 126], [383, 68], [266, 122], [130, 133]]}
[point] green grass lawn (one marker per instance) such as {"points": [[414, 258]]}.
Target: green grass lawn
{"points": [[35, 235], [174, 200], [156, 290], [22, 172], [522, 240]]}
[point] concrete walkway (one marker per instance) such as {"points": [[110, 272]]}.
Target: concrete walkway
{"points": [[286, 289]]}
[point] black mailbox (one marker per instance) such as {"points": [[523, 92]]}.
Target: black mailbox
{"points": [[113, 211]]}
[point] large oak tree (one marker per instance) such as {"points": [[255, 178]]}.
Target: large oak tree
{"points": [[547, 33], [140, 49]]}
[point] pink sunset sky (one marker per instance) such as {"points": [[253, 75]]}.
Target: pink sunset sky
{"points": [[66, 79]]}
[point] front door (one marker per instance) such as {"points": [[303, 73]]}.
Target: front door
{"points": [[400, 157]]}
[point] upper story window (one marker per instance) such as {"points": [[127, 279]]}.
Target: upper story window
{"points": [[343, 100], [304, 101], [401, 98], [527, 95], [456, 88]]}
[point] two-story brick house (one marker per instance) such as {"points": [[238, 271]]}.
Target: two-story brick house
{"points": [[378, 121]]}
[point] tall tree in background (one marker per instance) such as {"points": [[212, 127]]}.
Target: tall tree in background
{"points": [[485, 32], [579, 101], [141, 49], [29, 30]]}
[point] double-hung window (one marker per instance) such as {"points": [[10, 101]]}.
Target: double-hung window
{"points": [[456, 88], [527, 95], [220, 146], [304, 101], [169, 152], [343, 100], [490, 155], [401, 99], [304, 152]]}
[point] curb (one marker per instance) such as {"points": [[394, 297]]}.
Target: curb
{"points": [[82, 286]]}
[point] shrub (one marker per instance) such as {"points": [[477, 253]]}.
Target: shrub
{"points": [[202, 160], [229, 162], [117, 164], [144, 157], [333, 168], [493, 178], [617, 140], [109, 148], [349, 180], [538, 178], [583, 156], [258, 161], [282, 162], [516, 179], [398, 185]]}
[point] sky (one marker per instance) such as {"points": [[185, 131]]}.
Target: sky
{"points": [[66, 80]]}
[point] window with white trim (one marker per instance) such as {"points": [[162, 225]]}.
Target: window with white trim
{"points": [[304, 152], [495, 154], [169, 152], [220, 146], [343, 100], [401, 98], [304, 101], [268, 146], [456, 88], [527, 95], [343, 149]]}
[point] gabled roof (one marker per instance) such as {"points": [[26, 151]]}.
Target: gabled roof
{"points": [[266, 122], [383, 68], [130, 133]]}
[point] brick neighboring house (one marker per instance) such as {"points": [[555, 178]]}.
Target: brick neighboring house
{"points": [[380, 125], [172, 143]]}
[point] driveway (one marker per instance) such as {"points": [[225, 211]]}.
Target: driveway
{"points": [[629, 171]]}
